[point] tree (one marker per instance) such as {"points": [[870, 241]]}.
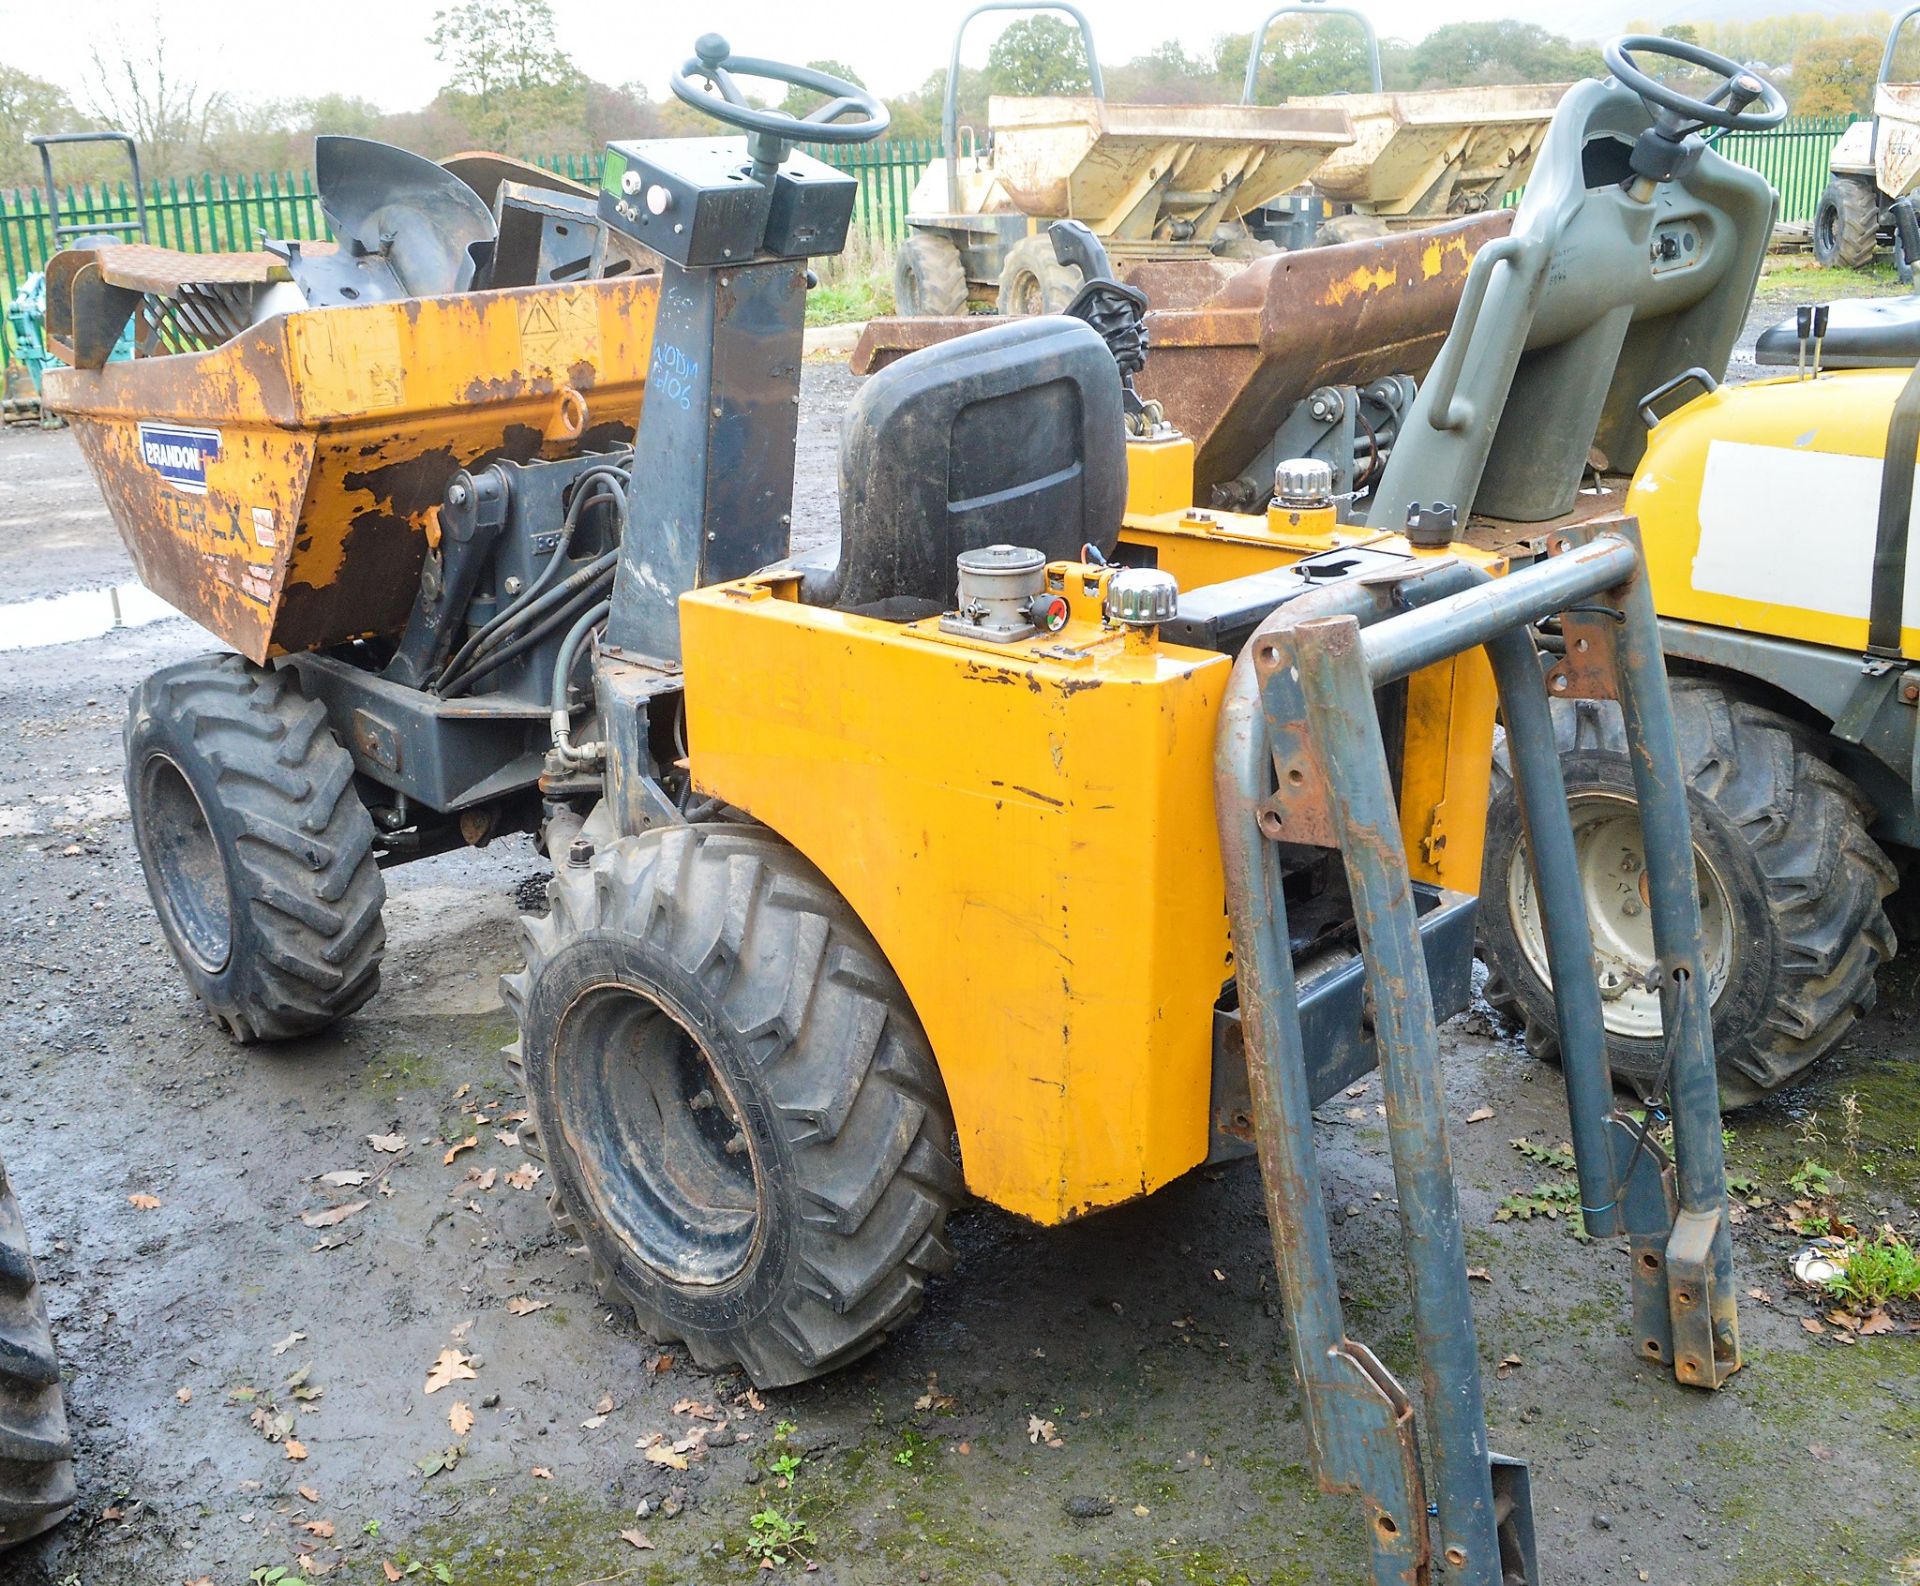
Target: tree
{"points": [[1832, 76], [510, 84], [1037, 56], [1300, 56], [1466, 54], [1165, 75], [28, 104], [169, 113], [499, 46], [800, 100]]}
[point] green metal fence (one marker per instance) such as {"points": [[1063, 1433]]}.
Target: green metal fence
{"points": [[1794, 156], [210, 214], [216, 214]]}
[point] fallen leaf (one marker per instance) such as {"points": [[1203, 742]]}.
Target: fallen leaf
{"points": [[461, 1329], [523, 1177], [320, 1528], [482, 1181], [1508, 1365], [184, 1395], [1876, 1322], [345, 1178], [457, 1147], [514, 1117], [1811, 1324], [542, 1473], [604, 1405], [387, 1569], [754, 1401], [144, 1203], [450, 1367], [525, 1305], [288, 1342], [593, 1423], [1142, 1510], [1480, 1115], [660, 1454], [296, 1449], [464, 1088], [433, 1464], [308, 1493], [387, 1142], [333, 1214], [460, 1418], [694, 1407], [664, 1363], [1761, 1295], [1039, 1431], [639, 1539], [510, 1138], [1480, 1274]]}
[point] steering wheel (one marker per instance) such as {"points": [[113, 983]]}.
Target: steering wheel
{"points": [[714, 64], [1725, 107]]}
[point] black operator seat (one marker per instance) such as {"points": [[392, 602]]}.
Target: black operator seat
{"points": [[1862, 333], [1010, 435]]}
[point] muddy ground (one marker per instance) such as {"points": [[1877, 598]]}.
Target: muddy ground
{"points": [[1148, 1336]]}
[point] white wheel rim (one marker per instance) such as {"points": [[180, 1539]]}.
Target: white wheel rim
{"points": [[1612, 866]]}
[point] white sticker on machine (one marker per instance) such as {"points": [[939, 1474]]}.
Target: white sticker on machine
{"points": [[1791, 527], [263, 530]]}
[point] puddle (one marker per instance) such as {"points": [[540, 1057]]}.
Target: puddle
{"points": [[82, 614]]}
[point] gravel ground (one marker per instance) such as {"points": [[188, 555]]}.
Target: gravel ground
{"points": [[1149, 1335]]}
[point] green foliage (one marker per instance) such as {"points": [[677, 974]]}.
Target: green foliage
{"points": [[777, 1536], [28, 104], [1554, 1156], [1299, 57], [1832, 76], [1464, 54], [1877, 1270], [1552, 1200], [1812, 1180], [499, 46], [787, 1466], [1036, 56], [800, 100]]}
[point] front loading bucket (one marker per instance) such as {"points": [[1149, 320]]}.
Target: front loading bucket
{"points": [[280, 489]]}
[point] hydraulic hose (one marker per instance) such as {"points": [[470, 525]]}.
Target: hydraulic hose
{"points": [[597, 591], [562, 720]]}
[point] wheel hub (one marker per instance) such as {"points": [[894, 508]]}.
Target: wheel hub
{"points": [[186, 859], [658, 1137], [1613, 879]]}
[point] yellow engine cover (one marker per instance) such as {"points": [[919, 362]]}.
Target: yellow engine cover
{"points": [[1758, 506], [1028, 831]]}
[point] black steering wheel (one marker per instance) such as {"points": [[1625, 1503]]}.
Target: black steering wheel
{"points": [[1725, 107], [715, 65]]}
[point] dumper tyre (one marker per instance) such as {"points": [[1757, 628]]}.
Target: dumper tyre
{"points": [[36, 1452], [258, 853], [1846, 224], [1033, 281], [1792, 891], [929, 276], [740, 1116]]}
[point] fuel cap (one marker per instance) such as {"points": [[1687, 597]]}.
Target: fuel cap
{"points": [[1139, 597]]}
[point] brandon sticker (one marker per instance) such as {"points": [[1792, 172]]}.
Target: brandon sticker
{"points": [[179, 456]]}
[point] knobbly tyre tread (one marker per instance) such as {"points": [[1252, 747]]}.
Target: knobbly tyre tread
{"points": [[1825, 883], [296, 842], [1856, 222], [818, 1016], [36, 1452], [1034, 256], [929, 276]]}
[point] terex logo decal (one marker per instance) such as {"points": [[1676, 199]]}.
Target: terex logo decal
{"points": [[179, 456]]}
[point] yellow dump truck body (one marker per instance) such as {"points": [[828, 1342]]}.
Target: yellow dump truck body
{"points": [[280, 488]]}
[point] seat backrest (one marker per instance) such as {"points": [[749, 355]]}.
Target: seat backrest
{"points": [[1009, 435]]}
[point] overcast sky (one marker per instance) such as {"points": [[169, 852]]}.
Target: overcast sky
{"points": [[270, 49]]}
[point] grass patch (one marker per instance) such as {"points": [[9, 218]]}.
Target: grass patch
{"points": [[1877, 1270], [854, 285]]}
